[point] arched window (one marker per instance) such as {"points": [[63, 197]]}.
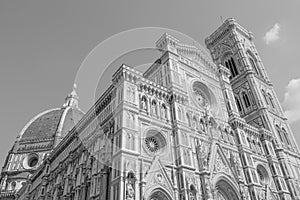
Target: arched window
{"points": [[202, 126], [278, 130], [195, 124], [271, 100], [253, 64], [130, 142], [13, 185], [238, 103], [286, 137], [187, 157], [265, 97], [230, 64], [189, 119], [246, 99], [184, 139], [179, 113]]}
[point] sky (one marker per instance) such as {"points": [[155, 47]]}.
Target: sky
{"points": [[43, 45]]}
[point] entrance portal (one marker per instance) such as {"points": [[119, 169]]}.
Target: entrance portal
{"points": [[159, 195], [225, 191]]}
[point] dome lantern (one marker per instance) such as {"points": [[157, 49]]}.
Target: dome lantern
{"points": [[72, 98]]}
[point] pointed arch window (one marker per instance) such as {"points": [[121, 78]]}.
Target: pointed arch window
{"points": [[286, 137], [265, 97], [246, 99], [238, 103], [130, 143], [254, 65], [278, 130], [230, 64], [271, 100], [179, 113], [195, 124], [188, 119]]}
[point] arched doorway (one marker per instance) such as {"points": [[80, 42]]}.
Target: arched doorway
{"points": [[159, 195], [225, 191]]}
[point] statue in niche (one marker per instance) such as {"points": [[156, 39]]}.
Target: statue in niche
{"points": [[129, 191], [262, 195], [203, 156], [235, 164], [144, 103], [131, 94]]}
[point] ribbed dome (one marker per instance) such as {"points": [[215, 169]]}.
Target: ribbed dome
{"points": [[43, 125], [54, 122], [50, 123]]}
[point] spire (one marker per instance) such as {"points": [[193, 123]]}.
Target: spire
{"points": [[72, 98]]}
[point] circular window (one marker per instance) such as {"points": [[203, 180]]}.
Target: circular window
{"points": [[262, 174], [154, 142], [33, 161], [13, 185], [201, 98], [202, 95]]}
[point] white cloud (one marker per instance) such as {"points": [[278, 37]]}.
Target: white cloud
{"points": [[273, 34], [291, 101]]}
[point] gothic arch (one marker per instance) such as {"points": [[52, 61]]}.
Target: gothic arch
{"points": [[238, 103], [225, 56], [245, 97], [225, 188], [253, 62], [159, 194], [230, 63]]}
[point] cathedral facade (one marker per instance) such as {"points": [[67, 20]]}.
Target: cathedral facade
{"points": [[191, 127]]}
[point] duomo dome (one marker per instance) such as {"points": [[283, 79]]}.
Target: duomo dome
{"points": [[37, 139]]}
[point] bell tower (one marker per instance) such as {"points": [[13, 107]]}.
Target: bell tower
{"points": [[232, 46]]}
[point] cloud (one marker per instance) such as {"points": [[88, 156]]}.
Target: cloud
{"points": [[291, 101], [273, 34]]}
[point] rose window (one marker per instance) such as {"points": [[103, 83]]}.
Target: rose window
{"points": [[263, 175], [154, 142], [200, 97]]}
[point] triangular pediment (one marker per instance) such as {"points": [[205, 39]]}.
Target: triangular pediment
{"points": [[267, 193], [220, 164], [157, 177]]}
